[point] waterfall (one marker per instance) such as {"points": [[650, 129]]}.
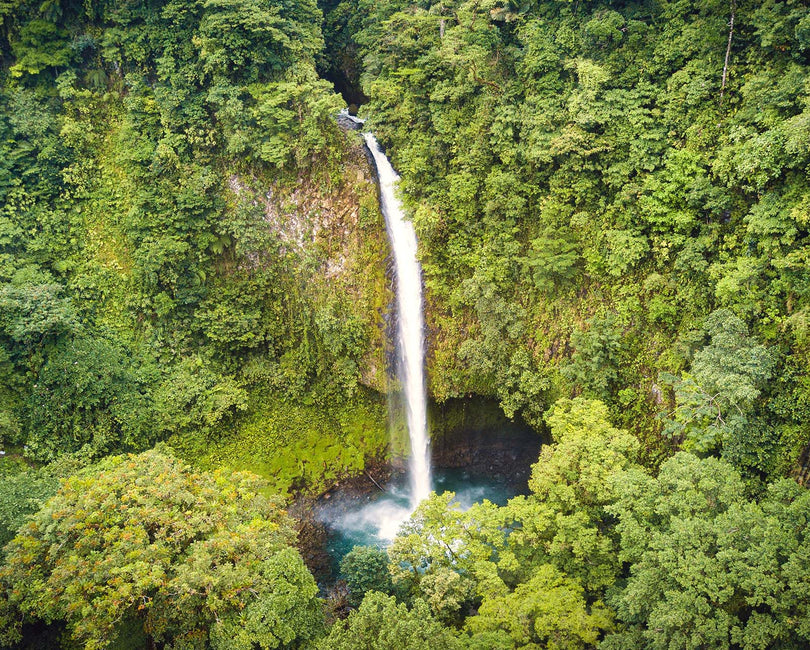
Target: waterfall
{"points": [[410, 330]]}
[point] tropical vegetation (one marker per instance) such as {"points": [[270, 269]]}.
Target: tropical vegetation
{"points": [[612, 204]]}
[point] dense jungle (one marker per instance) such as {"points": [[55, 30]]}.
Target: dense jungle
{"points": [[612, 205]]}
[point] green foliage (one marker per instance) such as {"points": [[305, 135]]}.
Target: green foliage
{"points": [[563, 521], [602, 552], [34, 315], [285, 125], [144, 149], [196, 398], [553, 259], [515, 376], [253, 40], [365, 568], [513, 563], [292, 445], [716, 400], [548, 611], [40, 45], [732, 363], [380, 624], [596, 355], [87, 393], [444, 556], [555, 156], [25, 489], [709, 569], [22, 494], [201, 560]]}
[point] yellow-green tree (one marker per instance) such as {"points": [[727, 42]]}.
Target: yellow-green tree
{"points": [[199, 560], [382, 624]]}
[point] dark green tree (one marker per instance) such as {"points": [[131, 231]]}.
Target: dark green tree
{"points": [[365, 568], [708, 568]]}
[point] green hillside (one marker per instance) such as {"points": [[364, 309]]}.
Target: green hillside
{"points": [[612, 201]]}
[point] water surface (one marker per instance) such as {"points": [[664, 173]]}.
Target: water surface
{"points": [[375, 518]]}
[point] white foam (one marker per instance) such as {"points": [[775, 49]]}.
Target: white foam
{"points": [[345, 113]]}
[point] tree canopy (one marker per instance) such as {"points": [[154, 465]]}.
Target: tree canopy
{"points": [[200, 560]]}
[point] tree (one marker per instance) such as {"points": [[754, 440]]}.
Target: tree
{"points": [[365, 568], [715, 400], [35, 315], [564, 521], [41, 45], [24, 490], [553, 258], [200, 560], [255, 40], [87, 395], [445, 556], [733, 365], [548, 611], [709, 568], [382, 624], [194, 397], [594, 363]]}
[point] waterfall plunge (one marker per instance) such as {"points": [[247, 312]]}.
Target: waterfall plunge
{"points": [[410, 330]]}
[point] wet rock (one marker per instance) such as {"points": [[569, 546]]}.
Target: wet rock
{"points": [[346, 122]]}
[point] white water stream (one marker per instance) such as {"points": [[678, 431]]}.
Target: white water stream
{"points": [[411, 326]]}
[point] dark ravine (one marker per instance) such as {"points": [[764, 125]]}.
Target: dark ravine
{"points": [[474, 434]]}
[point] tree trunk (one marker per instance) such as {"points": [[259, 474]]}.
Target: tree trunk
{"points": [[728, 50]]}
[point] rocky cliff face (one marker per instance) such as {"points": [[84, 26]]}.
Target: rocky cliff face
{"points": [[336, 234]]}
